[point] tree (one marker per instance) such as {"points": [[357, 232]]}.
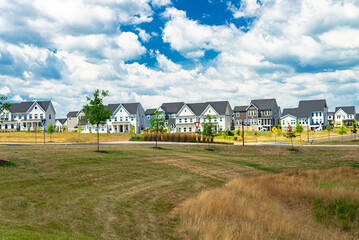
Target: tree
{"points": [[169, 128], [64, 128], [328, 128], [157, 124], [95, 112], [79, 128], [238, 131], [132, 130], [355, 127], [342, 130], [3, 105], [290, 134], [50, 130], [299, 129], [208, 128]]}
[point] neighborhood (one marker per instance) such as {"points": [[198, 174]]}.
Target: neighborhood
{"points": [[180, 117]]}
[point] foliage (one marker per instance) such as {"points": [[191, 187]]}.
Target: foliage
{"points": [[3, 105], [79, 127], [50, 130], [38, 129], [157, 124], [299, 128], [64, 128], [169, 128], [132, 130], [208, 128], [342, 130], [290, 134], [328, 127], [95, 112], [355, 127]]}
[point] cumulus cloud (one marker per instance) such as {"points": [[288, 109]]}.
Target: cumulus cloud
{"points": [[248, 8]]}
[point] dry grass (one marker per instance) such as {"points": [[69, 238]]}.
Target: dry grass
{"points": [[69, 137], [271, 207]]}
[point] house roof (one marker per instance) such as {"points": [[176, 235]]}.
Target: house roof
{"points": [[220, 107], [291, 111], [25, 106], [265, 104], [131, 107], [72, 114], [173, 107], [346, 109], [306, 108], [331, 113], [240, 108], [62, 120], [113, 107], [150, 110], [197, 108]]}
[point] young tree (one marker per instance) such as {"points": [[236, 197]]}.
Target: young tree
{"points": [[355, 127], [328, 128], [342, 130], [3, 105], [169, 128], [64, 128], [95, 112], [50, 130], [132, 130], [208, 129], [238, 131], [299, 129], [157, 124], [290, 134], [79, 128]]}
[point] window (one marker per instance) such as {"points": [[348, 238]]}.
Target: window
{"points": [[215, 119], [180, 120], [251, 113], [35, 108], [179, 129], [120, 119], [220, 119], [126, 119], [184, 129], [69, 118], [190, 129], [185, 120], [338, 116], [283, 122], [313, 114], [35, 116], [30, 116], [115, 119], [292, 122], [237, 114], [190, 119], [41, 116], [148, 117], [49, 116], [132, 118]]}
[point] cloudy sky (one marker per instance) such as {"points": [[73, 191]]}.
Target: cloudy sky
{"points": [[154, 51]]}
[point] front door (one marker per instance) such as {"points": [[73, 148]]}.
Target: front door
{"points": [[121, 128]]}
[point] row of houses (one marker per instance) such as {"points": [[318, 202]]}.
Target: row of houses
{"points": [[258, 115]]}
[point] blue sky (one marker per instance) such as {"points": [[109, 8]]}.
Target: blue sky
{"points": [[154, 51]]}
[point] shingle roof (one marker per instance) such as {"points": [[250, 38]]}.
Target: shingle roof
{"points": [[173, 107], [291, 111], [72, 114], [331, 113], [150, 110], [220, 107], [62, 120], [113, 107], [306, 108], [357, 117], [131, 107], [265, 104], [197, 108], [25, 106], [240, 108], [346, 109]]}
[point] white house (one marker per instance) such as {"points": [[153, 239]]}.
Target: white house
{"points": [[59, 123], [27, 116], [312, 114], [124, 117], [344, 114], [221, 113]]}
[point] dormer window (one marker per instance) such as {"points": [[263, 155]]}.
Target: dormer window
{"points": [[35, 108]]}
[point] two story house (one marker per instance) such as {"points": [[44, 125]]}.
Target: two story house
{"points": [[124, 117], [148, 116], [27, 116], [344, 115], [311, 114], [260, 114], [221, 113], [73, 119]]}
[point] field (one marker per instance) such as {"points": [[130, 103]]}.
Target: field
{"points": [[138, 192], [58, 137]]}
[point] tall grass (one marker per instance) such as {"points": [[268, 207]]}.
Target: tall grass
{"points": [[173, 137], [277, 207]]}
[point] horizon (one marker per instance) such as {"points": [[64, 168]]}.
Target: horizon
{"points": [[157, 51]]}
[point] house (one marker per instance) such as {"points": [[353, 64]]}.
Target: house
{"points": [[59, 123], [330, 117], [260, 114], [148, 115], [73, 119], [221, 113], [344, 114], [27, 116], [124, 117], [312, 114], [357, 117]]}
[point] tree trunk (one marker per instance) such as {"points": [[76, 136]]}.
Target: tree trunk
{"points": [[156, 138], [98, 139], [291, 139]]}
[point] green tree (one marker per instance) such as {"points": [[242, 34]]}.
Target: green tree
{"points": [[238, 131], [95, 112], [132, 130], [290, 134], [64, 128], [355, 127], [342, 130], [328, 128], [207, 127], [79, 128], [299, 129], [157, 124], [169, 128], [3, 105], [50, 130]]}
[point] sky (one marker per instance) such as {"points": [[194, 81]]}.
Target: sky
{"points": [[155, 51]]}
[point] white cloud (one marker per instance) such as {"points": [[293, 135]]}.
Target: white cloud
{"points": [[160, 3], [341, 38], [166, 64], [5, 91], [248, 8], [143, 35], [17, 98]]}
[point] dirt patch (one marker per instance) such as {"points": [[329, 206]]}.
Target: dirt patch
{"points": [[157, 147], [210, 149], [100, 151]]}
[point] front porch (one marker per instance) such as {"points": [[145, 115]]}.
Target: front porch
{"points": [[9, 126], [30, 125], [121, 127]]}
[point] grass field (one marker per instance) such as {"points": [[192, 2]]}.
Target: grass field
{"points": [[138, 192], [58, 137]]}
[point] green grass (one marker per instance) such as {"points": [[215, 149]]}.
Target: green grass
{"points": [[131, 192]]}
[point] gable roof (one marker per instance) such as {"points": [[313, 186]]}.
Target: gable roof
{"points": [[346, 109], [25, 106], [240, 108], [265, 104], [309, 106], [61, 120], [291, 111], [173, 107], [112, 107], [150, 110], [220, 107], [331, 113], [72, 114], [131, 107]]}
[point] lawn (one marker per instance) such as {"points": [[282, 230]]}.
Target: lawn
{"points": [[131, 192], [58, 137]]}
